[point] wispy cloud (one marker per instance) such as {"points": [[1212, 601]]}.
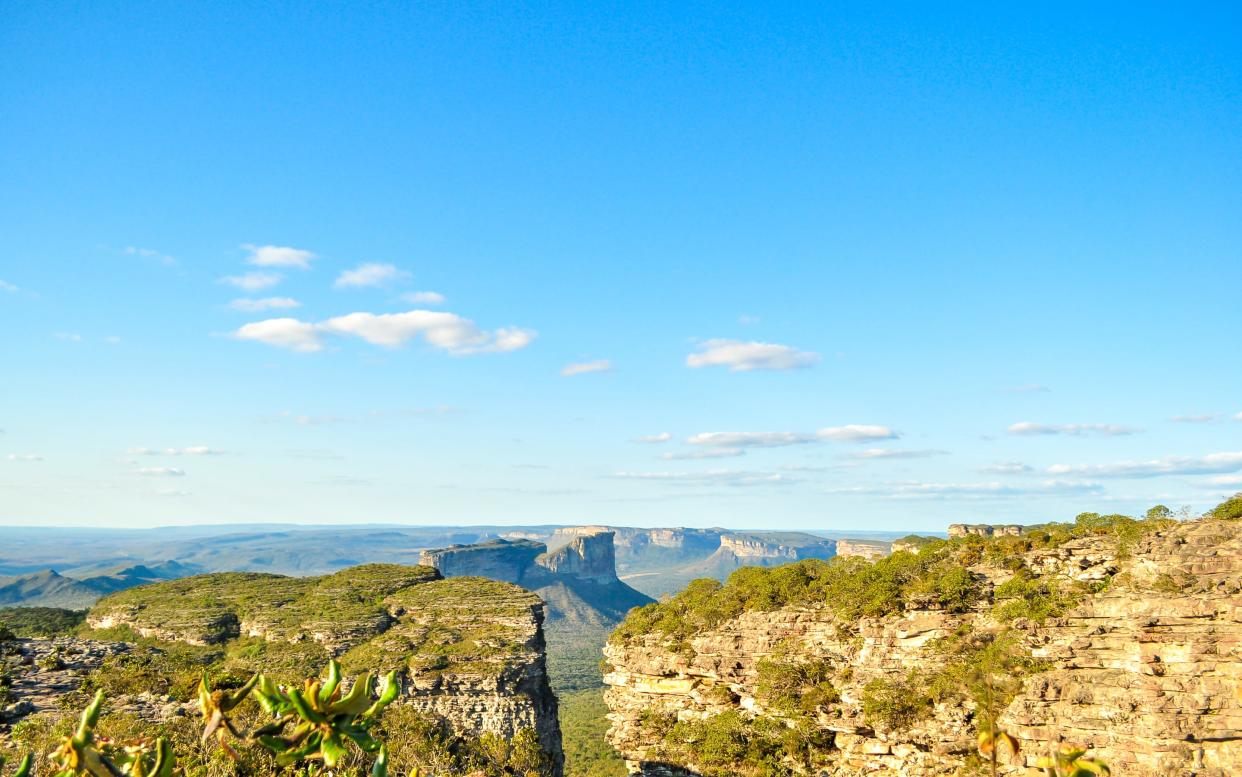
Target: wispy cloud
{"points": [[582, 368], [252, 281], [423, 297], [24, 457], [918, 490], [747, 320], [1204, 418], [8, 288], [368, 275], [1007, 468], [445, 331], [172, 492], [68, 337], [265, 303], [740, 356], [1029, 428], [160, 472], [847, 433], [278, 256], [724, 477], [193, 450], [1226, 480], [654, 438], [895, 453], [706, 453], [1211, 464], [152, 254], [1237, 416], [1027, 388]]}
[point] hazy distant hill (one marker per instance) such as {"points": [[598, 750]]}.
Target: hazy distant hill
{"points": [[48, 588]]}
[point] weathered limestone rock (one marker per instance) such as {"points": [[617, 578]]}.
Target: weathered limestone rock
{"points": [[1147, 672], [865, 549], [983, 530]]}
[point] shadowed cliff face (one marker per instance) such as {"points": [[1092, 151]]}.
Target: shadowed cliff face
{"points": [[507, 560], [1144, 666], [586, 557]]}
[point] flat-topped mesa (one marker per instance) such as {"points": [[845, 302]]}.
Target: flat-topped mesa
{"points": [[471, 650], [507, 560], [984, 530], [751, 547], [589, 556], [869, 549]]}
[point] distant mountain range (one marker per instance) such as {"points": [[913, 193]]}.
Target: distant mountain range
{"points": [[48, 588], [89, 563]]}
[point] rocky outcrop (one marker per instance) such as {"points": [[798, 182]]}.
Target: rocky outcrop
{"points": [[983, 530], [588, 556], [1146, 671], [870, 549], [749, 547], [472, 650], [498, 559]]}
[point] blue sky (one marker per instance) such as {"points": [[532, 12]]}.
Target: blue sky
{"points": [[862, 268]]}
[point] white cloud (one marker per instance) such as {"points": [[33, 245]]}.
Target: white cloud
{"points": [[581, 368], [284, 333], [278, 256], [915, 490], [423, 298], [847, 433], [8, 288], [726, 477], [446, 331], [369, 274], [161, 472], [24, 457], [1105, 430], [750, 439], [1237, 417], [69, 337], [193, 450], [747, 320], [151, 253], [1204, 418], [706, 453], [654, 438], [741, 356], [112, 340], [252, 281], [1007, 468], [1226, 480], [1211, 464], [172, 492], [857, 433], [893, 453], [265, 303]]}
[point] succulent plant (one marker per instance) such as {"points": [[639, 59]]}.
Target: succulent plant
{"points": [[23, 766], [83, 753], [314, 723], [1072, 761]]}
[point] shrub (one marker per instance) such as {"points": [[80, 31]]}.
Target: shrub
{"points": [[895, 705]]}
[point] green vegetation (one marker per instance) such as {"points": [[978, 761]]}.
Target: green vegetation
{"points": [[583, 726], [41, 622], [313, 728], [1035, 598], [937, 575], [1228, 510]]}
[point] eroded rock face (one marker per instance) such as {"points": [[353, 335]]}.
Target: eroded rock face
{"points": [[507, 560], [472, 650], [588, 556], [983, 530], [1147, 672], [871, 550]]}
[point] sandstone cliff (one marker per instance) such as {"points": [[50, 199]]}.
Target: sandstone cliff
{"points": [[1138, 656], [472, 650]]}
